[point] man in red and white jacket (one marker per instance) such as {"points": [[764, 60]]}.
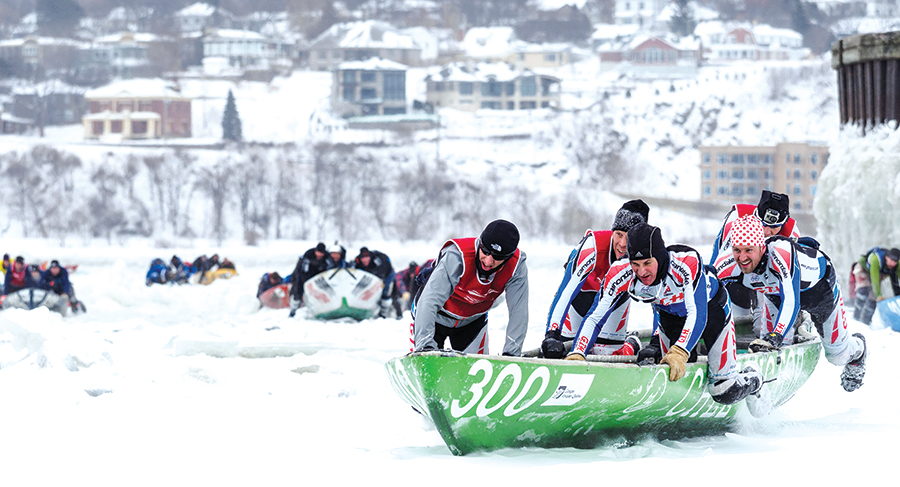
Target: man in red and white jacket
{"points": [[467, 278]]}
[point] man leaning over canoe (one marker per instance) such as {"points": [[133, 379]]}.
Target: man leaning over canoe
{"points": [[689, 303]]}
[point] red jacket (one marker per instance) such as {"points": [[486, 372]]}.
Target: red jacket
{"points": [[472, 296]]}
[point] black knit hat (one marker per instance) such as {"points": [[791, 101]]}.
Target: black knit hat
{"points": [[630, 214], [363, 252], [645, 241], [893, 254], [499, 239], [774, 208], [321, 247]]}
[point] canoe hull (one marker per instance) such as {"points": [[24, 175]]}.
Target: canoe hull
{"points": [[483, 403]]}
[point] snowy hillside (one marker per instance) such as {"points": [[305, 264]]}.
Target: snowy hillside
{"points": [[553, 170]]}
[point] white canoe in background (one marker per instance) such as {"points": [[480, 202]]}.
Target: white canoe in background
{"points": [[343, 293]]}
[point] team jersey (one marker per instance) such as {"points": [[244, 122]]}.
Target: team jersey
{"points": [[587, 265], [473, 296], [722, 247], [785, 270], [684, 291]]}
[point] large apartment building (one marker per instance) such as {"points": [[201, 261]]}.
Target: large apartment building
{"points": [[738, 174]]}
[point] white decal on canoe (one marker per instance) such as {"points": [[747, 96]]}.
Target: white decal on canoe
{"points": [[509, 380], [571, 389]]}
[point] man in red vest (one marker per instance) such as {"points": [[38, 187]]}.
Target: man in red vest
{"points": [[468, 276]]}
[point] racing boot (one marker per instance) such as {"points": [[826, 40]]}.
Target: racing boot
{"points": [[767, 343], [747, 383], [855, 370]]}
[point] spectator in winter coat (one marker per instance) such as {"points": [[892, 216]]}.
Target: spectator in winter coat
{"points": [[467, 278], [56, 279], [159, 273], [585, 269], [313, 261], [15, 276], [773, 210], [792, 277], [379, 264], [689, 304], [873, 267]]}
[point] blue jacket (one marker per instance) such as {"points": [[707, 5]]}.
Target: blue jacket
{"points": [[158, 273], [59, 283]]}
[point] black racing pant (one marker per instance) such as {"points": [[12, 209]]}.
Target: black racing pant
{"points": [[461, 337]]}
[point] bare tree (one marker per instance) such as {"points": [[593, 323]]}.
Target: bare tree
{"points": [[215, 182]]}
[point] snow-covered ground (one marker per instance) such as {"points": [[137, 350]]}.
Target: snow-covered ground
{"points": [[119, 396]]}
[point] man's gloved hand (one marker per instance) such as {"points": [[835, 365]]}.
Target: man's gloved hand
{"points": [[649, 355], [677, 358], [553, 347], [575, 356], [767, 343]]}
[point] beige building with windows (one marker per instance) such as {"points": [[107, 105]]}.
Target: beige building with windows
{"points": [[738, 174]]}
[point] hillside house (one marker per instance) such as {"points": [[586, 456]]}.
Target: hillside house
{"points": [[491, 86], [199, 16], [726, 42], [137, 109], [648, 50], [360, 41], [500, 45], [48, 53], [244, 48], [371, 87]]}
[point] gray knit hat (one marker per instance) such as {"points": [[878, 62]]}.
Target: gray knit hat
{"points": [[630, 214]]}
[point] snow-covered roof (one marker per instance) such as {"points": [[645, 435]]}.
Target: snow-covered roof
{"points": [[139, 37], [682, 44], [477, 72], [489, 41], [43, 41], [46, 88], [612, 31], [108, 115], [137, 88], [373, 64], [198, 9], [768, 30], [365, 34], [235, 34]]}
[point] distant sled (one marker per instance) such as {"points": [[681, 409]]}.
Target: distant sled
{"points": [[277, 297], [31, 298], [208, 277], [889, 312], [343, 293]]}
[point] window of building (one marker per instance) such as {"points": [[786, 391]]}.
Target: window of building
{"points": [[753, 174], [550, 58], [394, 86], [707, 174], [752, 158], [348, 93], [722, 175], [367, 76], [798, 158], [466, 87], [737, 191], [510, 105], [767, 159], [787, 158], [348, 77], [367, 94], [139, 127], [510, 88], [493, 105], [394, 110], [798, 190], [721, 159], [737, 158], [528, 86], [97, 128], [752, 189], [722, 190], [814, 159], [527, 105], [798, 174], [814, 175], [737, 174], [812, 190], [787, 174], [115, 127], [491, 88], [706, 158]]}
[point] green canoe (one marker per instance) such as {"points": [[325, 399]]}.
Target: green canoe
{"points": [[488, 402]]}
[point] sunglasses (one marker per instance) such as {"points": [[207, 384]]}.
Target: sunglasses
{"points": [[493, 253]]}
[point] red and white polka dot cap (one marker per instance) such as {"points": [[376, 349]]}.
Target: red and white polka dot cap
{"points": [[747, 230]]}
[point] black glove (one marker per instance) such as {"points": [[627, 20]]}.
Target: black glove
{"points": [[651, 353], [553, 348], [292, 313], [767, 343]]}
